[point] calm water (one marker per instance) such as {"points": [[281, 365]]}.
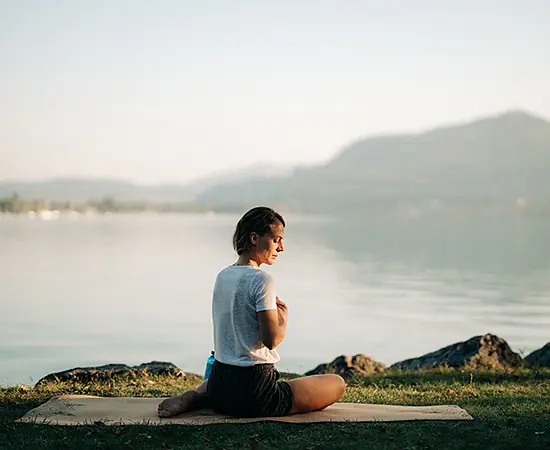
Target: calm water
{"points": [[136, 288]]}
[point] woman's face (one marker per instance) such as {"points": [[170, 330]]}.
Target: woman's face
{"points": [[269, 245]]}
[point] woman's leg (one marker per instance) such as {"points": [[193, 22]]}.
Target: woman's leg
{"points": [[315, 392], [188, 401]]}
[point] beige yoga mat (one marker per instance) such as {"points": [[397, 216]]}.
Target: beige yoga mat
{"points": [[84, 409]]}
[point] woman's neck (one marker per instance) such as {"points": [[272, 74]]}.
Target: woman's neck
{"points": [[246, 260]]}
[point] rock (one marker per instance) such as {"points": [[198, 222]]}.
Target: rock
{"points": [[109, 371], [539, 358], [350, 367], [479, 352]]}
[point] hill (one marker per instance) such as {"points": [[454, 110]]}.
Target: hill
{"points": [[496, 159], [83, 189], [79, 189]]}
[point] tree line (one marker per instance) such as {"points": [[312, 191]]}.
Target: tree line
{"points": [[17, 205]]}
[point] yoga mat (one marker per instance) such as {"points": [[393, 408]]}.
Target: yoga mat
{"points": [[84, 409]]}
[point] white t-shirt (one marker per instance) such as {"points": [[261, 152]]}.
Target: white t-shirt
{"points": [[239, 293]]}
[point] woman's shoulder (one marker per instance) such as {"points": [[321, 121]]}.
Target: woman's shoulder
{"points": [[262, 279]]}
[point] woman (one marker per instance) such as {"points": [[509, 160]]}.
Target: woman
{"points": [[249, 323]]}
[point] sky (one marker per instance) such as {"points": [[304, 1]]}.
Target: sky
{"points": [[168, 91]]}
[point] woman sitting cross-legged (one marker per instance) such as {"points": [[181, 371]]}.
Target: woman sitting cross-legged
{"points": [[249, 323]]}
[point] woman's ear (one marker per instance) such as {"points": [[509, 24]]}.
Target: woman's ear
{"points": [[254, 238]]}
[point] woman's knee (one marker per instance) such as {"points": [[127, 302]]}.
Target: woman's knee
{"points": [[336, 382], [339, 385], [317, 390]]}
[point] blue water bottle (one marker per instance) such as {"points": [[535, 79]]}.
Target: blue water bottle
{"points": [[209, 364]]}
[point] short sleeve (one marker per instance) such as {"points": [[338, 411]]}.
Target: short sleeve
{"points": [[263, 292]]}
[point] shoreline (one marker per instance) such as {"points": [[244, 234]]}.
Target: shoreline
{"points": [[480, 353], [510, 410]]}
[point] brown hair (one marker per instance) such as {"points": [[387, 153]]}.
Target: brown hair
{"points": [[257, 220]]}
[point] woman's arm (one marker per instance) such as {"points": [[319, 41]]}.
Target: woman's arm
{"points": [[273, 325]]}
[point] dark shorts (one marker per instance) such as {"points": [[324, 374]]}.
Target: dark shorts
{"points": [[248, 391]]}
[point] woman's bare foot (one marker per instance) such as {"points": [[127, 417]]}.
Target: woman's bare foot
{"points": [[179, 404]]}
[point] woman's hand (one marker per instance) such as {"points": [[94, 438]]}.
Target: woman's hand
{"points": [[282, 311]]}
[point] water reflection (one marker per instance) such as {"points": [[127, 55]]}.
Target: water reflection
{"points": [[136, 288]]}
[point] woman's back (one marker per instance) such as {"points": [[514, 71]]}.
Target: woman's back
{"points": [[240, 292]]}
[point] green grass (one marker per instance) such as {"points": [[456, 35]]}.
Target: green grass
{"points": [[511, 411]]}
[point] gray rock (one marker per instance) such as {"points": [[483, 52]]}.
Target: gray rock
{"points": [[480, 352], [350, 367], [539, 358], [109, 371]]}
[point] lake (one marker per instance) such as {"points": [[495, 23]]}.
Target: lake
{"points": [[135, 288]]}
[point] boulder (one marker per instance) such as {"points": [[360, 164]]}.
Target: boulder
{"points": [[109, 371], [480, 352], [350, 367], [539, 358]]}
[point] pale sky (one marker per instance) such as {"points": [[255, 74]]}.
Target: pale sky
{"points": [[171, 90]]}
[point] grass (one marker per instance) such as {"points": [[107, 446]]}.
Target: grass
{"points": [[511, 411]]}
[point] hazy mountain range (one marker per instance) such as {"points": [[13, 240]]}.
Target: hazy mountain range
{"points": [[82, 189], [502, 157], [496, 159]]}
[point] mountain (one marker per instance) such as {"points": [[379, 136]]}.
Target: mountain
{"points": [[82, 189], [266, 171], [93, 189], [497, 158]]}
